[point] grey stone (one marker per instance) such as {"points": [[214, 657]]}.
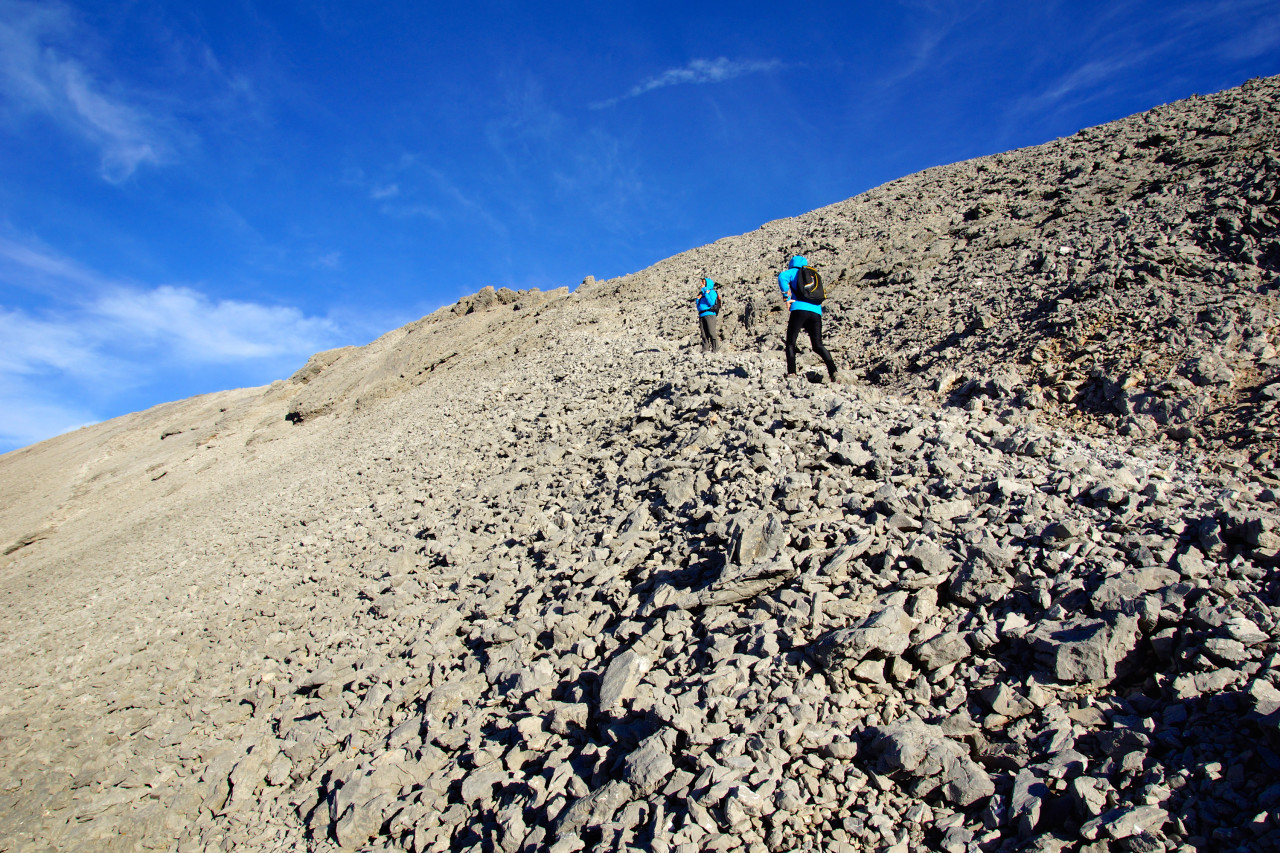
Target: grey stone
{"points": [[922, 751], [649, 767], [755, 536], [1088, 796], [976, 582], [594, 809], [887, 632], [1083, 649], [741, 583], [943, 650], [1029, 794], [621, 679], [1005, 701], [1125, 822]]}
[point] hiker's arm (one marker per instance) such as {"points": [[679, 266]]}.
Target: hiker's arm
{"points": [[784, 283]]}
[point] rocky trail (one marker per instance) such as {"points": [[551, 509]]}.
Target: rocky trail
{"points": [[532, 573]]}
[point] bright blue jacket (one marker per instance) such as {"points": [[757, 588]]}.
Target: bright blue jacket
{"points": [[787, 277], [707, 306]]}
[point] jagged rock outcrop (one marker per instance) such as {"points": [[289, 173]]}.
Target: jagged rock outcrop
{"points": [[531, 573]]}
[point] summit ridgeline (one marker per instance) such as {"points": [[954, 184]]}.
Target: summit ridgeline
{"points": [[532, 573]]}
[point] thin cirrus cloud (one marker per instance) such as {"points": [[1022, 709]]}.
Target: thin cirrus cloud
{"points": [[38, 75], [697, 72]]}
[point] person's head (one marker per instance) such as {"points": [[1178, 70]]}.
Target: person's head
{"points": [[799, 261]]}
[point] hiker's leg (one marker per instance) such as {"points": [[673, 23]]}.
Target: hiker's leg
{"points": [[713, 333], [815, 339], [794, 324], [703, 330]]}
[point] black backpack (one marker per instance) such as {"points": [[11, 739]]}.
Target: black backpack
{"points": [[807, 286]]}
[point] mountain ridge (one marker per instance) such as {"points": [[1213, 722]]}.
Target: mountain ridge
{"points": [[532, 573]]}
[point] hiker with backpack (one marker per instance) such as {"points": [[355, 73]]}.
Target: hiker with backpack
{"points": [[802, 288], [708, 315]]}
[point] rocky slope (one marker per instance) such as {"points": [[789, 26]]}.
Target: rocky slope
{"points": [[532, 573]]}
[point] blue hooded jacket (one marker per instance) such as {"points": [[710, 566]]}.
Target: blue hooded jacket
{"points": [[707, 299], [787, 277]]}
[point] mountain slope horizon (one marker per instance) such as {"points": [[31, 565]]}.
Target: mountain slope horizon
{"points": [[533, 572]]}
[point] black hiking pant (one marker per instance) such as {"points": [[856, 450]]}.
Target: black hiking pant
{"points": [[707, 327], [811, 322]]}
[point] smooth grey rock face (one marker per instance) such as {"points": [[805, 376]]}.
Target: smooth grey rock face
{"points": [[621, 679], [532, 573]]}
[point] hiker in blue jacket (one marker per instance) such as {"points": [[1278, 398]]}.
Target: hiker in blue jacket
{"points": [[806, 315], [708, 315]]}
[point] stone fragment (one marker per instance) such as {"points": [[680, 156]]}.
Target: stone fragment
{"points": [[931, 559], [567, 715], [1191, 564], [534, 677], [943, 650], [742, 804], [1062, 532], [1244, 631], [621, 679], [477, 786], [594, 809], [1005, 701], [1083, 649], [1264, 696], [887, 632], [1029, 794], [1088, 796], [1191, 685], [977, 582], [1125, 822], [755, 536], [650, 766], [741, 583], [921, 751]]}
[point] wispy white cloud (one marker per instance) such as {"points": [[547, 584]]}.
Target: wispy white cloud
{"points": [[35, 346], [1085, 78], [38, 73], [698, 71], [35, 268], [1123, 53], [107, 333], [119, 332], [30, 416], [422, 190], [329, 260], [925, 47], [202, 330], [1262, 39]]}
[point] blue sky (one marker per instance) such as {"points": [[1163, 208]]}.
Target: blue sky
{"points": [[198, 195]]}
